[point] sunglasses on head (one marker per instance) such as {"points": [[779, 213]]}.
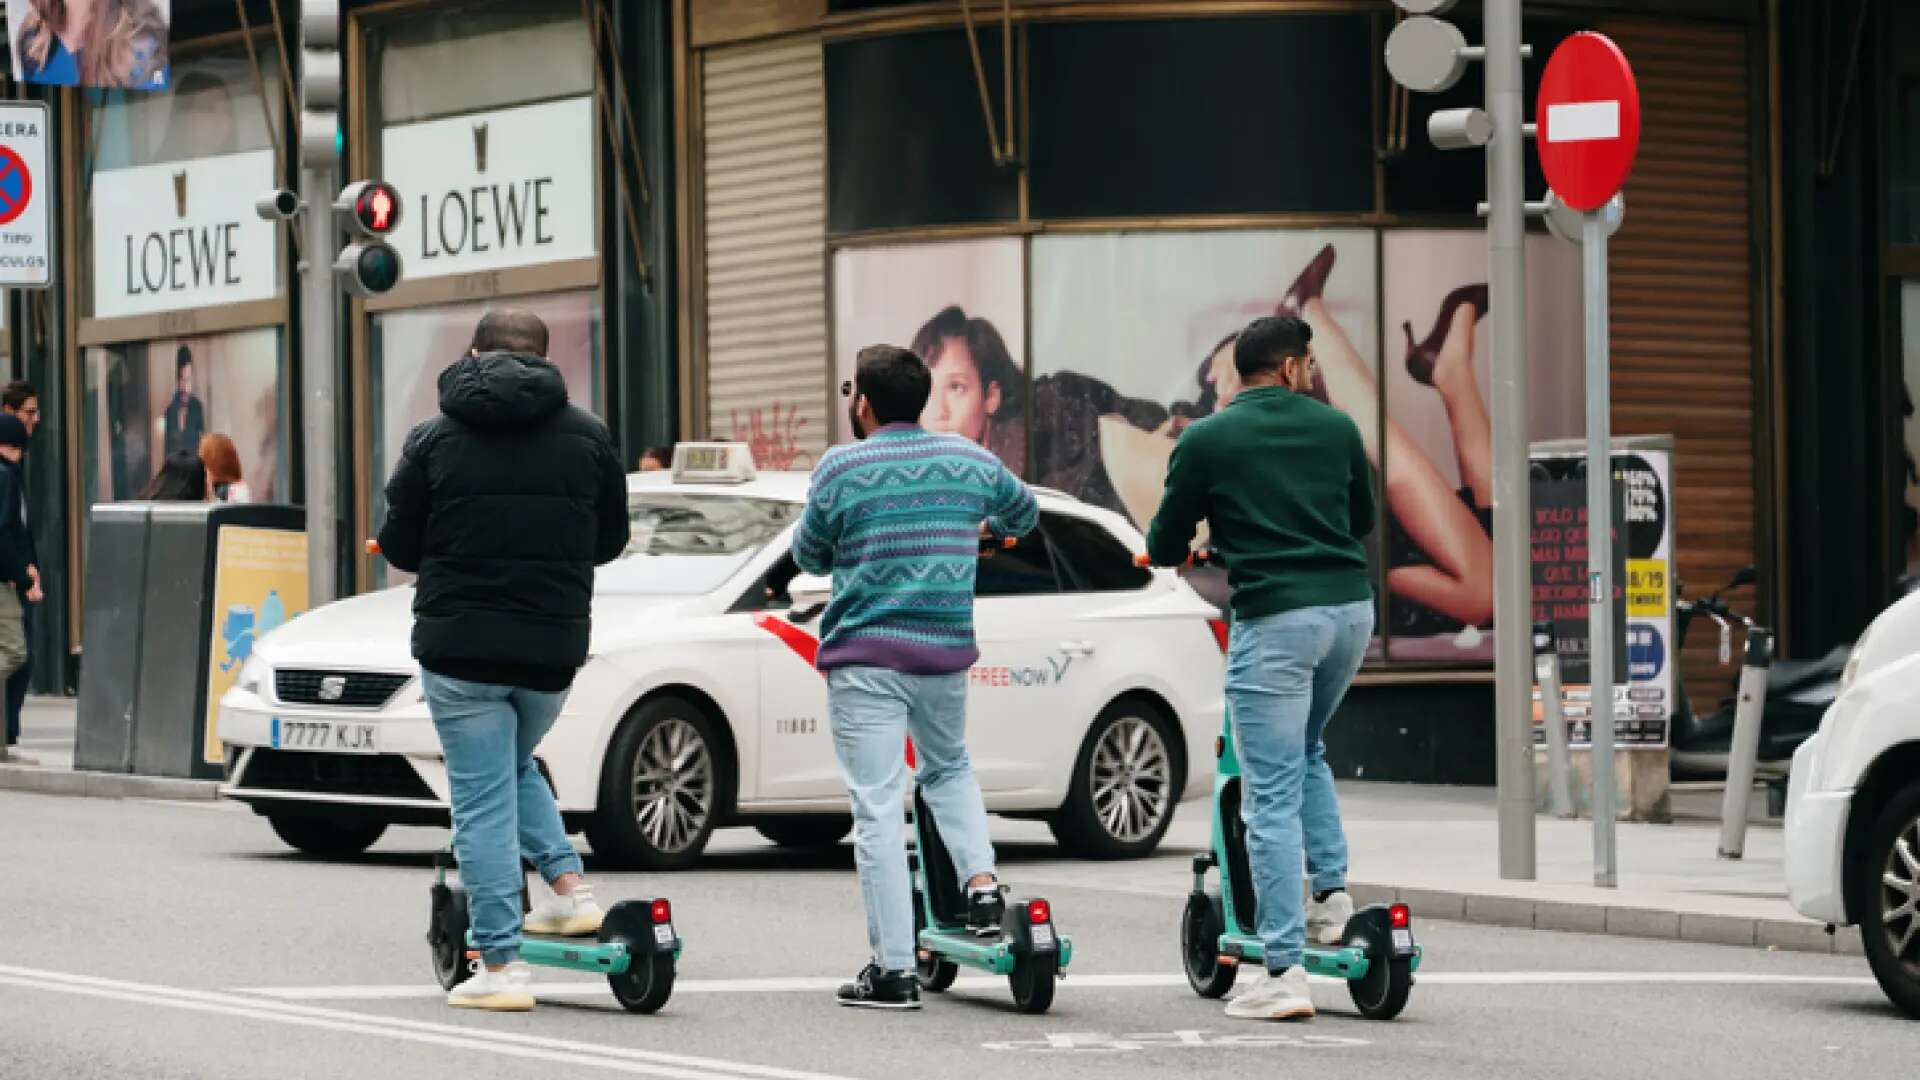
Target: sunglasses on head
{"points": [[846, 388]]}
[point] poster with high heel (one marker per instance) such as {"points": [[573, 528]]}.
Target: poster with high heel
{"points": [[1437, 438]]}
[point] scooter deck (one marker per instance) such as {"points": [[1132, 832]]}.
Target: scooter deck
{"points": [[1339, 963], [993, 954], [599, 957]]}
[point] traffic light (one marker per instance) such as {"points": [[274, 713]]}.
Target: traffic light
{"points": [[319, 83], [369, 266]]}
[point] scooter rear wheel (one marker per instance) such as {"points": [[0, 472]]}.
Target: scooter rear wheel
{"points": [[648, 981], [1383, 993], [1201, 925], [1032, 980]]}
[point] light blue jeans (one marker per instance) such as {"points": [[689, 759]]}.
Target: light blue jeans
{"points": [[502, 806], [871, 711], [1286, 674]]}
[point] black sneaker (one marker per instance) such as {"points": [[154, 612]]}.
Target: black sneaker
{"points": [[874, 988], [986, 910]]}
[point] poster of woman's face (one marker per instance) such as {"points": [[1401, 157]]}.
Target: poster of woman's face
{"points": [[147, 400], [1439, 469], [121, 44], [961, 307]]}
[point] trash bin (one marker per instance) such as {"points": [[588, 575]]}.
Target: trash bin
{"points": [[177, 593]]}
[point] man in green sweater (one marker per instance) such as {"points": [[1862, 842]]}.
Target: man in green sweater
{"points": [[1285, 487]]}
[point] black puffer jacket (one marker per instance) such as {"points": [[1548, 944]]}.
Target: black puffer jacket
{"points": [[503, 505]]}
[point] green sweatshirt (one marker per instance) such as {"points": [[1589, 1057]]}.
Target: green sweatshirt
{"points": [[1284, 485]]}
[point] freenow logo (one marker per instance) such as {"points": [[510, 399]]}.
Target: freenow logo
{"points": [[1002, 675]]}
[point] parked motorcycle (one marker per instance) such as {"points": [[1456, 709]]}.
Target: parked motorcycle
{"points": [[1798, 694]]}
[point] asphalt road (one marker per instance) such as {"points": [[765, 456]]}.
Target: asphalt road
{"points": [[171, 940]]}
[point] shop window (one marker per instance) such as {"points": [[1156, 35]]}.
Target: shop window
{"points": [[1909, 523], [906, 140], [1202, 116], [470, 58], [411, 348], [1903, 144]]}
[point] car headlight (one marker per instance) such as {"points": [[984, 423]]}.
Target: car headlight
{"points": [[254, 675]]}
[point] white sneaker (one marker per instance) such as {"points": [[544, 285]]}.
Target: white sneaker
{"points": [[1327, 922], [572, 915], [1270, 998], [508, 990]]}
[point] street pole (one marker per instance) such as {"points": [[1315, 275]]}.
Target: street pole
{"points": [[319, 383], [1512, 579], [1600, 547]]}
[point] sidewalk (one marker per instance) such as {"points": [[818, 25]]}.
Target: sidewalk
{"points": [[1435, 848]]}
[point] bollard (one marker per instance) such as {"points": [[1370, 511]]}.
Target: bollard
{"points": [[1742, 755], [1553, 719]]}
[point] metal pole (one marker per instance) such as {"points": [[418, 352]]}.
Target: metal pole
{"points": [[1745, 751], [1600, 548], [1553, 720], [1512, 577], [319, 383]]}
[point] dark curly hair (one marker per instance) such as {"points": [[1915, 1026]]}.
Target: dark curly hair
{"points": [[989, 351]]}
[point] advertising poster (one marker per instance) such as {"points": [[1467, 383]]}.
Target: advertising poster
{"points": [[149, 399], [961, 306], [1645, 651], [1438, 438], [259, 582], [117, 44]]}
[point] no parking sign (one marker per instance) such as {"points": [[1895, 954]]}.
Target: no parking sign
{"points": [[24, 224]]}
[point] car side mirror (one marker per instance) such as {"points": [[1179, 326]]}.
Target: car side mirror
{"points": [[809, 596]]}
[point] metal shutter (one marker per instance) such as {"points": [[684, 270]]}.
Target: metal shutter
{"points": [[1682, 302], [764, 158]]}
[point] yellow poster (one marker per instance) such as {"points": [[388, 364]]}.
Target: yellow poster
{"points": [[1647, 589], [259, 582]]}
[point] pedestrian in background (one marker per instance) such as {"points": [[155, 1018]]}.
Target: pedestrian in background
{"points": [[21, 400], [656, 458], [19, 580], [182, 478], [502, 614], [222, 460]]}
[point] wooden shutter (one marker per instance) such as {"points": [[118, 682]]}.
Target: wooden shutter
{"points": [[764, 158], [1682, 302]]}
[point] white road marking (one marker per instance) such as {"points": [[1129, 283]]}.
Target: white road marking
{"points": [[1583, 121], [562, 1051], [1134, 981]]}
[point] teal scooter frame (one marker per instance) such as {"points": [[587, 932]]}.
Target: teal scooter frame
{"points": [[638, 950], [1377, 954], [1029, 951]]}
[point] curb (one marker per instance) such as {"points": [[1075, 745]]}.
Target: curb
{"points": [[100, 785], [1613, 920]]}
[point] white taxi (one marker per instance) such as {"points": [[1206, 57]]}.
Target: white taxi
{"points": [[1853, 805], [1094, 705]]}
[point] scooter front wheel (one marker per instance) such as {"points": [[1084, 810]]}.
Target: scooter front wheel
{"points": [[936, 973], [1201, 925], [447, 935], [1032, 980]]}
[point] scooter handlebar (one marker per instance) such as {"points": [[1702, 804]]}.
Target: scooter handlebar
{"points": [[1201, 557]]}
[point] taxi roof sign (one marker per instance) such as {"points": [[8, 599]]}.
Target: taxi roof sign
{"points": [[713, 463]]}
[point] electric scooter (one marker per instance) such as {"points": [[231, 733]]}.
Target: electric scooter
{"points": [[637, 951], [1377, 954], [1029, 951]]}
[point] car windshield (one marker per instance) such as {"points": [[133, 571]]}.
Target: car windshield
{"points": [[686, 544]]}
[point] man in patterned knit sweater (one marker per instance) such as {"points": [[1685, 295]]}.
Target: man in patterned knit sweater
{"points": [[897, 519]]}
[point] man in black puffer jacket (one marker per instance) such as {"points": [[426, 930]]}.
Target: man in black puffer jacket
{"points": [[503, 505]]}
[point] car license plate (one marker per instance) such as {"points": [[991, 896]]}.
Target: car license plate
{"points": [[1042, 936], [327, 736], [663, 934], [1403, 939]]}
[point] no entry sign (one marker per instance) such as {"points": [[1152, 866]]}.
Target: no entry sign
{"points": [[1589, 121]]}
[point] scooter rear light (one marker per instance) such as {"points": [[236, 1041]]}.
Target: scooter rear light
{"points": [[663, 912], [1399, 917], [1220, 633], [1039, 911]]}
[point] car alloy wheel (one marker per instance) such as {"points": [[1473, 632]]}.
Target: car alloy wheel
{"points": [[673, 786], [1132, 780], [1899, 907]]}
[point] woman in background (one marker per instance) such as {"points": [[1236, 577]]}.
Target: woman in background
{"points": [[182, 479], [976, 386], [222, 461], [117, 43]]}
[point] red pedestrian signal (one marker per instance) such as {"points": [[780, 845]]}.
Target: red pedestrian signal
{"points": [[372, 207]]}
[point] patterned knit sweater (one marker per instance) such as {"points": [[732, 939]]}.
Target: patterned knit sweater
{"points": [[896, 519]]}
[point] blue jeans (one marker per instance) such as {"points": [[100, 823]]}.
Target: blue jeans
{"points": [[871, 711], [502, 806], [1286, 674]]}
